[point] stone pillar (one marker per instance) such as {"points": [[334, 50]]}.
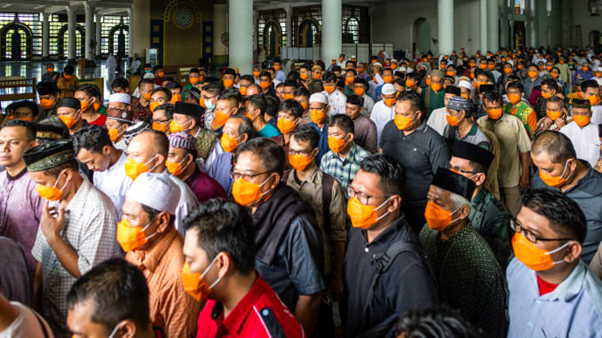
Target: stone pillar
{"points": [[220, 52], [240, 31], [98, 27], [289, 25], [494, 26], [130, 32], [141, 27], [483, 26], [533, 23], [45, 35], [90, 32], [71, 34], [332, 29], [445, 21]]}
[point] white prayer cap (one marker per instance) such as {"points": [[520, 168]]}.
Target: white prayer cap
{"points": [[377, 64], [156, 191], [598, 80], [148, 76], [388, 89], [465, 84], [120, 97], [318, 97], [402, 69]]}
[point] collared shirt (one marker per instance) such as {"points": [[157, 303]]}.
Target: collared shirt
{"points": [[437, 120], [365, 134], [171, 307], [490, 218], [585, 140], [260, 313], [344, 170], [121, 145], [474, 136], [90, 229], [141, 113], [204, 186], [368, 104], [525, 114], [114, 182], [381, 115], [433, 100], [587, 193], [187, 203], [220, 171], [513, 139], [20, 211], [337, 102], [421, 153], [406, 285], [323, 143], [469, 277], [311, 191], [573, 309]]}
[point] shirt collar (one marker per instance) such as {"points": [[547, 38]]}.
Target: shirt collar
{"points": [[154, 254], [18, 176], [350, 155], [570, 287], [236, 318]]}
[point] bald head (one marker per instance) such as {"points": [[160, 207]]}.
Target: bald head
{"points": [[557, 146], [253, 89]]}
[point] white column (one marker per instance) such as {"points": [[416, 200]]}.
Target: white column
{"points": [[332, 29], [130, 32], [445, 20], [533, 23], [219, 28], [483, 26], [45, 35], [240, 28], [494, 26], [89, 9], [289, 25], [70, 33], [98, 27]]}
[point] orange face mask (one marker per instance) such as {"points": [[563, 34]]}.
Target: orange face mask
{"points": [[410, 83], [51, 193], [175, 98], [388, 78], [175, 168], [133, 169], [256, 73], [84, 105], [359, 91], [289, 96], [437, 218], [483, 66], [553, 115], [336, 144], [299, 162], [276, 67], [494, 114], [246, 193], [402, 122], [593, 99], [464, 96], [67, 76], [329, 89], [554, 76], [69, 121], [507, 70], [436, 87], [429, 82], [546, 95], [490, 67], [389, 102], [47, 104], [160, 127], [154, 106], [194, 80], [304, 105], [555, 181], [452, 120], [364, 216], [202, 102], [513, 98], [472, 64], [285, 126], [317, 76], [303, 76], [450, 73], [113, 134], [598, 74], [195, 284], [317, 116], [349, 80], [585, 69], [161, 74], [581, 120], [147, 96], [532, 74], [228, 83], [264, 84], [175, 127], [229, 143], [220, 118], [533, 257], [131, 238]]}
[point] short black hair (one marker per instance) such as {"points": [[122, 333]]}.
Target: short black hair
{"points": [[494, 96], [291, 106], [291, 83], [414, 99], [120, 82], [435, 322], [69, 70], [589, 84], [272, 105], [90, 90], [258, 101], [390, 171], [249, 78], [231, 94], [273, 158], [307, 133], [163, 90], [265, 73], [301, 91], [225, 226], [355, 100], [92, 138], [169, 110], [342, 121], [565, 216], [118, 290], [30, 128], [558, 147], [146, 81], [214, 88], [171, 85], [246, 126], [329, 76], [557, 99], [551, 83], [26, 104]]}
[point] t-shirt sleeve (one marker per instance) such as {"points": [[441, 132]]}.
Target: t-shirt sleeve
{"points": [[524, 145], [304, 255]]}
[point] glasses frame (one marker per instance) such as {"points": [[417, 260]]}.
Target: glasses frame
{"points": [[531, 237]]}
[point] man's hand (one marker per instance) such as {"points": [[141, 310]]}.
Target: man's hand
{"points": [[51, 226], [524, 180]]}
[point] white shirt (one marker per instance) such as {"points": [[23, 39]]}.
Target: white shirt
{"points": [[437, 120], [373, 85], [26, 325], [597, 114], [336, 101], [121, 145], [381, 115], [187, 203], [368, 104], [585, 141], [114, 182]]}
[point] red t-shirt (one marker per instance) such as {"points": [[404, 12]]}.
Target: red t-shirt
{"points": [[100, 121], [545, 287], [259, 314]]}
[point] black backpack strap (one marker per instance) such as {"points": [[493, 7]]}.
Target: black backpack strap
{"points": [[384, 262], [271, 323], [327, 185], [42, 325]]}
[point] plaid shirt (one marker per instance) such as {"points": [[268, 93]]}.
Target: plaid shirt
{"points": [[90, 229], [344, 170]]}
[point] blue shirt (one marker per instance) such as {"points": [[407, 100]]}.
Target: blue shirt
{"points": [[323, 144], [268, 131], [377, 92], [220, 171], [573, 309]]}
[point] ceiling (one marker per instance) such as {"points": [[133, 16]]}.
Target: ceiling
{"points": [[104, 7]]}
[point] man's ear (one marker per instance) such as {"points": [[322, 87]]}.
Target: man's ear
{"points": [[574, 250]]}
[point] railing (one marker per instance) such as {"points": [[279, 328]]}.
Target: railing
{"points": [[17, 88]]}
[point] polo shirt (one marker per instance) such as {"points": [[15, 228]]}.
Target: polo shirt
{"points": [[513, 139], [268, 131], [260, 313], [437, 120], [474, 136], [573, 309], [406, 285], [323, 143], [421, 153], [585, 141], [587, 193], [220, 171]]}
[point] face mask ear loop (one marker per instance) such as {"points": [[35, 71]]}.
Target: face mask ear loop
{"points": [[386, 213]]}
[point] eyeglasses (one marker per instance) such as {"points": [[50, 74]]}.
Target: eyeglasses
{"points": [[362, 197], [118, 110], [299, 152], [247, 177], [531, 236], [459, 170], [165, 121]]}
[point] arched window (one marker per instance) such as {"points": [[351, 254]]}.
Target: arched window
{"points": [[352, 27]]}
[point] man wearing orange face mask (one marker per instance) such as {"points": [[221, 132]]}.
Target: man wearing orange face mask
{"points": [[318, 110], [582, 132], [228, 78], [360, 88], [532, 80], [194, 80], [159, 74], [365, 134], [67, 82], [49, 96], [549, 89], [520, 109], [461, 259], [403, 280], [119, 118], [336, 99], [583, 72], [289, 117], [68, 110], [557, 116], [51, 75], [288, 240], [434, 96], [67, 247], [592, 93], [387, 78], [89, 98], [279, 73], [301, 95], [147, 234], [547, 276], [513, 173], [141, 105]]}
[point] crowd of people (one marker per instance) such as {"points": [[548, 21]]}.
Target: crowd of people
{"points": [[439, 196]]}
